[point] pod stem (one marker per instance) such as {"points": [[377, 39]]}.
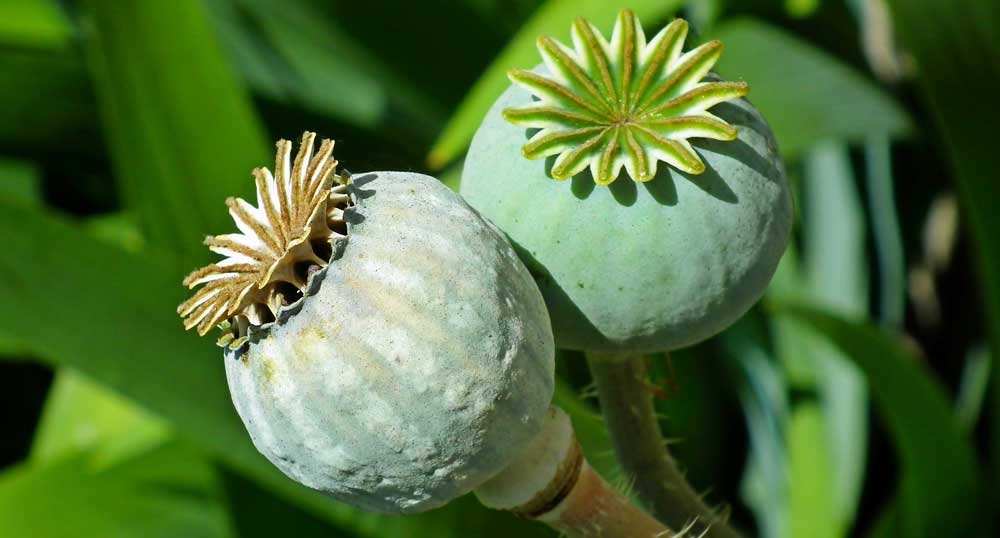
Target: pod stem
{"points": [[593, 509], [551, 482], [631, 419]]}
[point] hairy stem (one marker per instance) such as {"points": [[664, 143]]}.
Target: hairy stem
{"points": [[593, 509], [551, 482], [627, 406]]}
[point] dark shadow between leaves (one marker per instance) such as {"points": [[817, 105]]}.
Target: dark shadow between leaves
{"points": [[738, 149], [624, 190], [357, 182], [737, 115], [351, 216], [662, 187], [741, 151], [583, 185]]}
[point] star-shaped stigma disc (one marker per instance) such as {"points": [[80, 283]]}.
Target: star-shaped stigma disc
{"points": [[627, 102]]}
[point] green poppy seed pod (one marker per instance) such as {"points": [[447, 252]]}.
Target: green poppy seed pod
{"points": [[649, 265], [408, 370]]}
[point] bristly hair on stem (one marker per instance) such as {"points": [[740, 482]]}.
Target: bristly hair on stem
{"points": [[627, 102], [630, 416], [282, 241]]}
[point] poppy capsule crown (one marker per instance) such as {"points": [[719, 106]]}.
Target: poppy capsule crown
{"points": [[283, 240]]}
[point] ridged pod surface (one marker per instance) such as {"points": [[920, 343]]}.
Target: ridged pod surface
{"points": [[649, 266], [419, 368]]}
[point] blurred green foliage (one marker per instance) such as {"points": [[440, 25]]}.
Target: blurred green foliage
{"points": [[838, 408]]}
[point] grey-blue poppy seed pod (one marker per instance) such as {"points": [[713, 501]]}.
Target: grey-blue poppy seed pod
{"points": [[649, 265], [403, 373]]}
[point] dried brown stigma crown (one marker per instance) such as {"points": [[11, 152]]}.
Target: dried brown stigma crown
{"points": [[285, 238]]}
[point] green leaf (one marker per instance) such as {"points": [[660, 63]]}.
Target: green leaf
{"points": [[80, 416], [886, 231], [296, 53], [33, 23], [324, 62], [801, 9], [260, 66], [182, 131], [833, 274], [11, 349], [762, 390], [834, 269], [92, 447], [118, 229], [590, 430], [163, 492], [452, 176], [955, 46], [697, 411], [20, 182], [113, 228], [704, 14], [46, 101], [112, 317], [551, 19], [805, 94], [258, 513], [45, 94], [812, 510], [972, 388], [57, 310], [938, 488]]}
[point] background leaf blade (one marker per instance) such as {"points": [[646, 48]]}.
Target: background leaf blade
{"points": [[806, 95], [938, 488], [953, 41], [180, 125]]}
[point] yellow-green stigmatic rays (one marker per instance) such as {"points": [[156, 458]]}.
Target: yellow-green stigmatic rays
{"points": [[627, 102]]}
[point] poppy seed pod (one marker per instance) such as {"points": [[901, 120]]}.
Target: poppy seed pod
{"points": [[679, 248], [384, 343]]}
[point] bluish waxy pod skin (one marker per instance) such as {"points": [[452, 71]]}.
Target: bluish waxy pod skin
{"points": [[419, 368], [407, 370], [654, 264]]}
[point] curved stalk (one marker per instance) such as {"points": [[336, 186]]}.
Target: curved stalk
{"points": [[627, 406]]}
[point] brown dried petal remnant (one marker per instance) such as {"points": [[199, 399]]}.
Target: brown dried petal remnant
{"points": [[282, 241]]}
